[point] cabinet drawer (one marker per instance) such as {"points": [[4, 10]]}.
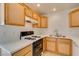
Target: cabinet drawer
{"points": [[23, 51], [50, 39], [68, 41]]}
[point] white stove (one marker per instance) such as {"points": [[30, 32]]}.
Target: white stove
{"points": [[29, 35]]}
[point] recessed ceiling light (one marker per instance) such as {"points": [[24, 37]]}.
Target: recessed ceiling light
{"points": [[54, 9], [38, 5]]}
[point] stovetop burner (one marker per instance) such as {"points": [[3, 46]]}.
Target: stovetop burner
{"points": [[30, 38], [36, 36]]}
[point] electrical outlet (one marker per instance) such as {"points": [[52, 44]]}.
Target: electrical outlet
{"points": [[75, 44]]}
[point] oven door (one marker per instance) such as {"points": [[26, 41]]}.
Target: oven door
{"points": [[38, 47]]}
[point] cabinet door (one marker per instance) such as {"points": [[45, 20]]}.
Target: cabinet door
{"points": [[37, 18], [14, 14], [44, 22], [35, 15], [74, 18], [44, 44], [64, 47], [28, 12], [51, 44]]}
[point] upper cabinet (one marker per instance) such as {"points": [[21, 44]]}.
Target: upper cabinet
{"points": [[37, 18], [14, 14], [44, 22], [74, 18], [35, 15], [28, 12]]}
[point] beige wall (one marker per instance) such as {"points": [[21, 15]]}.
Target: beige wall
{"points": [[60, 21]]}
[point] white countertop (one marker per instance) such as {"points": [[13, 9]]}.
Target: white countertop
{"points": [[12, 47]]}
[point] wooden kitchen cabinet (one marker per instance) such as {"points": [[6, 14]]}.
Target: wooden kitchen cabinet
{"points": [[28, 12], [74, 18], [35, 15], [64, 46], [51, 44], [44, 44], [44, 22], [37, 18], [14, 14], [27, 51]]}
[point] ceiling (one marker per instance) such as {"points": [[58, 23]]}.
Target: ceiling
{"points": [[46, 8]]}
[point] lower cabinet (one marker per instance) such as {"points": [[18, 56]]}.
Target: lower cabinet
{"points": [[27, 51], [62, 46], [44, 44], [51, 44]]}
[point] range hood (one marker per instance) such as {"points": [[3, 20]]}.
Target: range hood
{"points": [[30, 20]]}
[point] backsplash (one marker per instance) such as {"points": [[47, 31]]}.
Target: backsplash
{"points": [[39, 31], [9, 33]]}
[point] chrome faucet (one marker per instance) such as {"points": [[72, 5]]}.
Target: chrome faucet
{"points": [[56, 33]]}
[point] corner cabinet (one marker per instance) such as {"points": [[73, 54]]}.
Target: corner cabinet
{"points": [[14, 14], [74, 18]]}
